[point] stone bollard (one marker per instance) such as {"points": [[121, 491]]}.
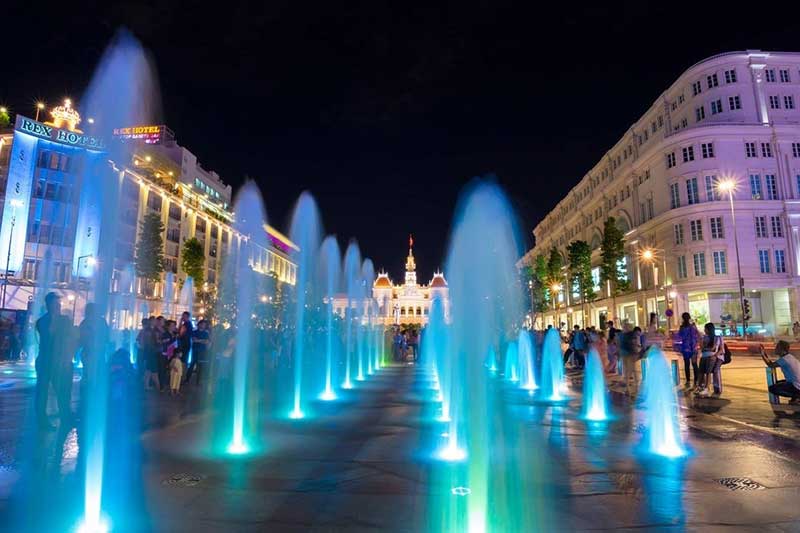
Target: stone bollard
{"points": [[772, 378], [674, 367]]}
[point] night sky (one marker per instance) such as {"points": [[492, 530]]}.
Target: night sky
{"points": [[383, 110]]}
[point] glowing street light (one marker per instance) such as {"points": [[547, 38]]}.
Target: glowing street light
{"points": [[729, 185], [648, 255], [39, 108], [3, 109]]}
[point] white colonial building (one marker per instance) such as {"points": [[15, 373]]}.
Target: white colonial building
{"points": [[730, 119]]}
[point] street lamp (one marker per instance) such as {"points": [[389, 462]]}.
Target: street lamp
{"points": [[648, 255], [729, 186], [39, 108], [90, 262], [15, 203]]}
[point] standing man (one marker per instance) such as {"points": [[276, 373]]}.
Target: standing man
{"points": [[185, 333], [200, 341], [54, 363], [93, 341]]}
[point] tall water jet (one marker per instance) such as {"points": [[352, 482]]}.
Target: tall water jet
{"points": [[44, 278], [491, 360], [595, 396], [306, 233], [186, 296], [486, 303], [331, 270], [552, 367], [662, 432], [527, 359], [434, 352], [512, 362], [123, 92], [239, 293], [168, 309], [352, 274], [365, 322]]}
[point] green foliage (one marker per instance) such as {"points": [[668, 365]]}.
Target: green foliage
{"points": [[193, 260], [5, 119], [612, 252], [553, 275], [149, 260], [580, 269]]}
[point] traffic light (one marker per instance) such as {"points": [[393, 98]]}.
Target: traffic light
{"points": [[746, 309]]}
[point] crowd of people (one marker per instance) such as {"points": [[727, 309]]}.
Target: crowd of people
{"points": [[622, 349], [405, 345]]}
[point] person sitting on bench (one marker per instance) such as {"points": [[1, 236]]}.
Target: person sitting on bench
{"points": [[789, 387]]}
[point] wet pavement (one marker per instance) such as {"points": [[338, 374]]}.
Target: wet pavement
{"points": [[365, 464]]}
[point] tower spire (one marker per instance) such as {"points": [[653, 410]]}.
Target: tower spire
{"points": [[410, 265]]}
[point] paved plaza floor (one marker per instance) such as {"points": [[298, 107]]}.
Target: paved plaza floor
{"points": [[365, 463]]}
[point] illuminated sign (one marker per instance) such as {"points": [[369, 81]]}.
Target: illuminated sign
{"points": [[147, 134], [52, 133]]}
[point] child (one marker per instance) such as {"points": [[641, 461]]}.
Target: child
{"points": [[175, 370]]}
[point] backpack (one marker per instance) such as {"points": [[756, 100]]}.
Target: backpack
{"points": [[727, 352]]}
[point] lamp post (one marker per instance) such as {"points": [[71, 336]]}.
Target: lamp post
{"points": [[729, 185], [15, 203], [649, 256], [555, 288], [90, 261], [39, 108]]}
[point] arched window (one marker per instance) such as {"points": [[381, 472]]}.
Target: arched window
{"points": [[402, 310], [419, 311]]}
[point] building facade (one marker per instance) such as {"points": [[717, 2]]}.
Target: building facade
{"points": [[407, 303], [49, 237], [732, 119]]}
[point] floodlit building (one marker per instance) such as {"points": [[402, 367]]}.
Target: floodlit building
{"points": [[407, 303], [732, 120], [50, 235]]}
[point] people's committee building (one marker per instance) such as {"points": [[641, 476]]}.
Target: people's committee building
{"points": [[731, 118]]}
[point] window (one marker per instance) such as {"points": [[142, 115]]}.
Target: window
{"points": [[660, 121], [707, 150], [675, 196], [763, 261], [650, 210], [174, 211], [772, 186], [712, 81], [680, 98], [770, 73], [696, 88], [774, 102], [682, 266], [716, 228], [730, 76], [696, 230], [154, 201], [700, 113], [670, 159], [750, 150], [720, 263], [795, 149], [692, 196], [780, 262], [688, 154], [766, 150], [712, 189], [788, 102], [173, 234], [777, 227], [677, 230], [785, 78], [761, 227], [684, 122], [716, 106], [734, 103], [699, 264]]}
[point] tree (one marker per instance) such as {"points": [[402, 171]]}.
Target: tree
{"points": [[149, 259], [612, 268], [580, 272], [537, 285], [193, 261], [5, 118]]}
